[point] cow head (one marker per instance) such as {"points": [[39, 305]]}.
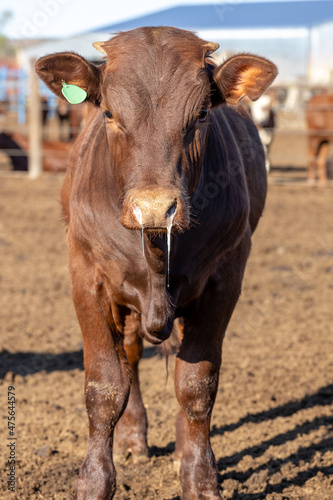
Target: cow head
{"points": [[155, 91]]}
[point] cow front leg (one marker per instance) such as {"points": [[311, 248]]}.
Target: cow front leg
{"points": [[196, 386], [106, 393], [196, 382], [107, 379], [131, 430]]}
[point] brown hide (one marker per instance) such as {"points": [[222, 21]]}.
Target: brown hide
{"points": [[319, 119], [162, 151]]}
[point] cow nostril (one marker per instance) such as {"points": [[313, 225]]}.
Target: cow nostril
{"points": [[171, 210]]}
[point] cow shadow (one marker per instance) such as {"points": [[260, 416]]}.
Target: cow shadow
{"points": [[281, 439], [29, 363], [273, 466], [299, 480], [323, 397]]}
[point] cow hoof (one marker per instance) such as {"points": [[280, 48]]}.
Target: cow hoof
{"points": [[97, 480]]}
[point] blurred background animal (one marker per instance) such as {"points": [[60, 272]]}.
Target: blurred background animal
{"points": [[16, 146], [263, 115]]}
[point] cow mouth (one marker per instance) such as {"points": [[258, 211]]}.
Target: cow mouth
{"points": [[159, 336], [156, 230], [175, 225], [152, 338]]}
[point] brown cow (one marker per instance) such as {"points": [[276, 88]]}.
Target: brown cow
{"points": [[319, 118], [163, 151]]}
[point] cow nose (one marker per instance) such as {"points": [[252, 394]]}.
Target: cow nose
{"points": [[169, 214], [152, 209]]}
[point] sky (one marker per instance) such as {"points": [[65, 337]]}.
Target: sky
{"points": [[61, 18]]}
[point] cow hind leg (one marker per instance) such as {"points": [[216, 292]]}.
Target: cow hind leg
{"points": [[131, 430]]}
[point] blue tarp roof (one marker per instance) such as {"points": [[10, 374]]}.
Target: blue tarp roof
{"points": [[229, 15]]}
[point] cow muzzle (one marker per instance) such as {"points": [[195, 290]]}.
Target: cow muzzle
{"points": [[154, 209]]}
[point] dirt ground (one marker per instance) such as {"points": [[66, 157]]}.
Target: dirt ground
{"points": [[272, 426]]}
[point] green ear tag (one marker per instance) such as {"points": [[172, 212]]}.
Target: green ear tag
{"points": [[73, 93]]}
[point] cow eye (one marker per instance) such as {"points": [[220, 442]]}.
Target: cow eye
{"points": [[203, 115], [108, 114]]}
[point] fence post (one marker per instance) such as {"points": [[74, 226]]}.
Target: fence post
{"points": [[35, 126]]}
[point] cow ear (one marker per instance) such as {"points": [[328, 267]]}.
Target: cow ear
{"points": [[72, 69], [244, 75]]}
